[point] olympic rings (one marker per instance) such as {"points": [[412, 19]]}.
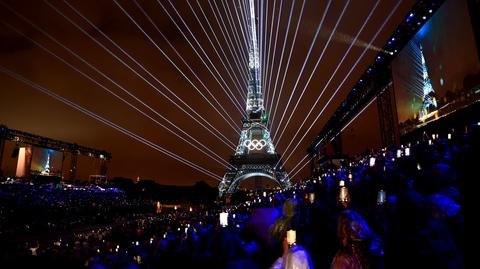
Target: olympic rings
{"points": [[255, 144]]}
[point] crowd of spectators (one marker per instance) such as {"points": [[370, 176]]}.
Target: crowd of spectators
{"points": [[27, 208], [399, 207]]}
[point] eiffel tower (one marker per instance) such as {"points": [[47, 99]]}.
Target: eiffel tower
{"points": [[255, 154], [429, 100]]}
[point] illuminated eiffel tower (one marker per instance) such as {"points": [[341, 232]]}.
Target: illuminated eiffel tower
{"points": [[429, 101], [46, 168], [255, 154]]}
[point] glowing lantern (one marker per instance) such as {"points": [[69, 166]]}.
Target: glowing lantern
{"points": [[381, 197], [291, 237], [224, 219]]}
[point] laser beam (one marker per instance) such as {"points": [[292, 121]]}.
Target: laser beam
{"points": [[315, 67], [301, 168], [263, 47], [235, 79], [223, 27], [274, 53], [246, 38], [288, 63], [242, 45], [344, 127], [264, 76], [341, 84], [307, 57], [295, 167], [102, 86], [209, 129], [260, 37], [243, 31], [348, 39], [235, 57], [243, 9], [109, 123], [280, 62], [240, 70], [206, 56], [230, 122], [334, 72]]}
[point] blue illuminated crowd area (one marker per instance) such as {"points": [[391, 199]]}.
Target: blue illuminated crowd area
{"points": [[399, 207]]}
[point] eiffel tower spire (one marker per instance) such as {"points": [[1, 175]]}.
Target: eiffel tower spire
{"points": [[255, 107], [255, 154]]}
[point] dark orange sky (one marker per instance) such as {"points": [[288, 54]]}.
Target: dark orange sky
{"points": [[24, 108]]}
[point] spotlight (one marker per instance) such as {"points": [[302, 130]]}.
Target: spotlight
{"points": [[430, 11], [424, 17], [410, 17]]}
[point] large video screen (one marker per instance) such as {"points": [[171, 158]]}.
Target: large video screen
{"points": [[431, 73], [46, 162]]}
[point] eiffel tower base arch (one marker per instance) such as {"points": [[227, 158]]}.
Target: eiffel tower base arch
{"points": [[234, 176]]}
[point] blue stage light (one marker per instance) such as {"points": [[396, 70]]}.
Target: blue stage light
{"points": [[410, 17]]}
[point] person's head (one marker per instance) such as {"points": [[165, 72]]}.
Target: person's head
{"points": [[286, 220], [289, 208], [442, 206], [412, 205], [434, 179], [352, 228]]}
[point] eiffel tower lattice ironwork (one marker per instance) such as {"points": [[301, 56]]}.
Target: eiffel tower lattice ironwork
{"points": [[255, 154]]}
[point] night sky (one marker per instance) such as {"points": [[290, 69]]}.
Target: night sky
{"points": [[24, 108]]}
